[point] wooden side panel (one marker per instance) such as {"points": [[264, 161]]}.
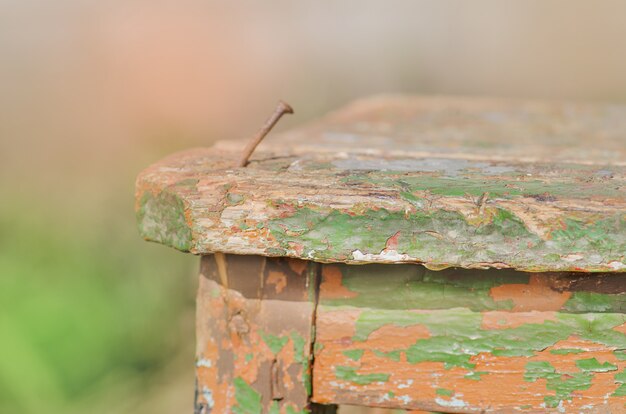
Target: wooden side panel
{"points": [[463, 341], [254, 327]]}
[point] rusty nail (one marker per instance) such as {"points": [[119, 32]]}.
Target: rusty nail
{"points": [[281, 109]]}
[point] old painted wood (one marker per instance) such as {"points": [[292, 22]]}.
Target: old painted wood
{"points": [[446, 182], [254, 329], [463, 341]]}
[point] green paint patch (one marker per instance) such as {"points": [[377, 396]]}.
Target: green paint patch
{"points": [[563, 384], [595, 302], [566, 351], [620, 391], [444, 391], [300, 356], [620, 378], [393, 355], [249, 357], [248, 400], [354, 354], [476, 375], [538, 369], [161, 218], [350, 374], [592, 364], [234, 199], [332, 234], [273, 342], [298, 348], [620, 354]]}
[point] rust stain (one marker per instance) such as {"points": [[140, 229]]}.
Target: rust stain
{"points": [[537, 295]]}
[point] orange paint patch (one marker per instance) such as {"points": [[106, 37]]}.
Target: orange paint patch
{"points": [[621, 328], [336, 325], [331, 286], [278, 279], [508, 320], [391, 337], [536, 295]]}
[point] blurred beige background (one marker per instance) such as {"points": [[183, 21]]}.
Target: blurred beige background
{"points": [[92, 91]]}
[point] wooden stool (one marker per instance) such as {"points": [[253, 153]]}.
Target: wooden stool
{"points": [[438, 254]]}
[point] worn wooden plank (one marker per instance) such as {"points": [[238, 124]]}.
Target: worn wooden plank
{"points": [[254, 335], [443, 182], [470, 341]]}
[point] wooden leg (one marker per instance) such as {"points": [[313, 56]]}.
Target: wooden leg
{"points": [[254, 335]]}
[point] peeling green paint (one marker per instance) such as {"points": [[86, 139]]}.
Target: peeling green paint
{"points": [[620, 391], [350, 374], [161, 218], [596, 302], [444, 391], [275, 343], [620, 354], [354, 354], [476, 375], [300, 357], [336, 234], [620, 378], [563, 385], [457, 334], [593, 365], [298, 348], [501, 237], [248, 400]]}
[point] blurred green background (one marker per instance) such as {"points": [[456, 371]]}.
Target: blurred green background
{"points": [[92, 318]]}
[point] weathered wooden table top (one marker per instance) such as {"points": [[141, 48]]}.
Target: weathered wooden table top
{"points": [[447, 182]]}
